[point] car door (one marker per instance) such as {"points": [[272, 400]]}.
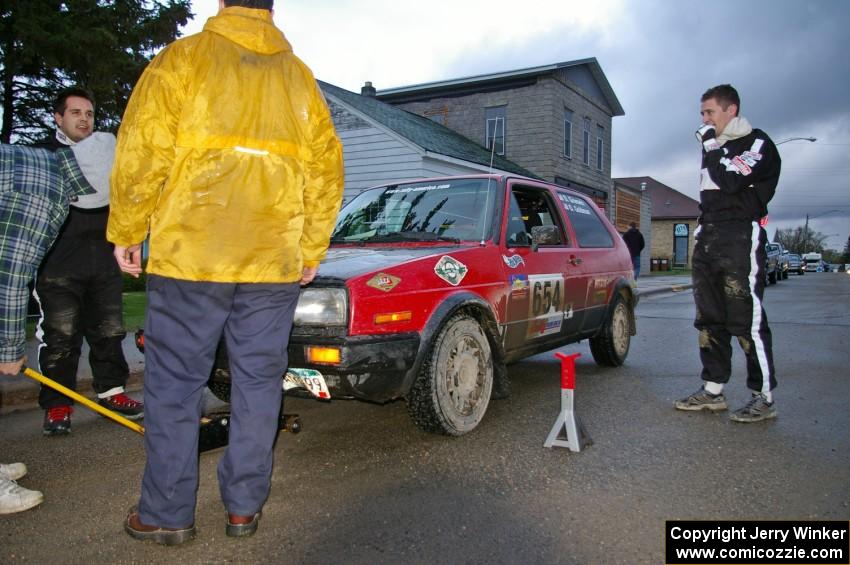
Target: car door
{"points": [[546, 296], [596, 246]]}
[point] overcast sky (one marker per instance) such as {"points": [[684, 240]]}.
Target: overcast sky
{"points": [[789, 60]]}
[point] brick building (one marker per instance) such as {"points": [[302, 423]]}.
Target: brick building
{"points": [[674, 219], [553, 120]]}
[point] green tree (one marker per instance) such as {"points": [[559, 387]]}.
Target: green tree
{"points": [[846, 254], [101, 45]]}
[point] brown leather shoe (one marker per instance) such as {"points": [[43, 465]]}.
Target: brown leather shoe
{"points": [[239, 526], [165, 536]]}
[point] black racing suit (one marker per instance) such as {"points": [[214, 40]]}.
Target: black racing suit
{"points": [[78, 288], [738, 180]]}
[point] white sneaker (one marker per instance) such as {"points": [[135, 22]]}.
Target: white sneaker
{"points": [[12, 471], [15, 498]]}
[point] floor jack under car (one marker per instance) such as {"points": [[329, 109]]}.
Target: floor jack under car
{"points": [[214, 428]]}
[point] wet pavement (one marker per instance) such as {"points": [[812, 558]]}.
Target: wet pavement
{"points": [[361, 484]]}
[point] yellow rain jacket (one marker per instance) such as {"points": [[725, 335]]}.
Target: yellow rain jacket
{"points": [[228, 155]]}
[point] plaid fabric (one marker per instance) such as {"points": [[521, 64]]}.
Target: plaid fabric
{"points": [[36, 187]]}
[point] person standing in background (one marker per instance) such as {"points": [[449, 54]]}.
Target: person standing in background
{"points": [[635, 243], [79, 287], [740, 171]]}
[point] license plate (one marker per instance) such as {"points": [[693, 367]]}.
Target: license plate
{"points": [[309, 379]]}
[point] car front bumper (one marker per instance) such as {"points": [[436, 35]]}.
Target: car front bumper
{"points": [[372, 368]]}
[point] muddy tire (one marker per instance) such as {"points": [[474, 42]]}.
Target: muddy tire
{"points": [[452, 391], [611, 346]]}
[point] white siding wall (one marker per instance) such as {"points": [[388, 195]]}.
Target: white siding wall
{"points": [[374, 157], [435, 168]]}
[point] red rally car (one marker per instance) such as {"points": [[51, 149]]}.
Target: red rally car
{"points": [[430, 288]]}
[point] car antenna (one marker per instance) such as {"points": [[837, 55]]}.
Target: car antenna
{"points": [[489, 180]]}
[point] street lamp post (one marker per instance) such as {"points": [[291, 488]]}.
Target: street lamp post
{"points": [[809, 139]]}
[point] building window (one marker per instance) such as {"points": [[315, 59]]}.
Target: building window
{"points": [[586, 142], [568, 134], [495, 130], [600, 147], [439, 115]]}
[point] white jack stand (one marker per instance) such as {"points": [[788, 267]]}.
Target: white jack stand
{"points": [[575, 437]]}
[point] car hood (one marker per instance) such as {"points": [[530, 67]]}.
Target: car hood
{"points": [[349, 262]]}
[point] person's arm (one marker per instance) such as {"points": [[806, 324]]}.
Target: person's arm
{"points": [[14, 296], [323, 187], [146, 147], [732, 174]]}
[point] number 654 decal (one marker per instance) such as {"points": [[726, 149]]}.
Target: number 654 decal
{"points": [[545, 309]]}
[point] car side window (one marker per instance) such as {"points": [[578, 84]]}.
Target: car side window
{"points": [[529, 209], [590, 231]]}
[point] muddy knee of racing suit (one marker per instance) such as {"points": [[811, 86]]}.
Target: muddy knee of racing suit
{"points": [[103, 327], [60, 335]]}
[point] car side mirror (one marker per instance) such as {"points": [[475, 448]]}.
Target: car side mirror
{"points": [[544, 235]]}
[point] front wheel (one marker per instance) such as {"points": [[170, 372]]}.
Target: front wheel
{"points": [[452, 391], [611, 346]]}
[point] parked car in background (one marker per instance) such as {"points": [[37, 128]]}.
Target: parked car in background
{"points": [[431, 288], [795, 264], [784, 265], [813, 262], [771, 271]]}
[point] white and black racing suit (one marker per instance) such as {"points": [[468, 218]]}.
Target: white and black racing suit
{"points": [[738, 180]]}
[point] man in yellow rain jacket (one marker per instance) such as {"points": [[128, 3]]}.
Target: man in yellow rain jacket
{"points": [[228, 157]]}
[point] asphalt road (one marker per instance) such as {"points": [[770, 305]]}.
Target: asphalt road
{"points": [[361, 484]]}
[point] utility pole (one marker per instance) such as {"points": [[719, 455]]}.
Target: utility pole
{"points": [[806, 235]]}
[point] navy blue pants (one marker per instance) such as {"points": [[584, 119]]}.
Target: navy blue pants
{"points": [[728, 276], [183, 324]]}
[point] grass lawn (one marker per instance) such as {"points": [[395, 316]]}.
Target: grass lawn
{"points": [[134, 310], [134, 313]]}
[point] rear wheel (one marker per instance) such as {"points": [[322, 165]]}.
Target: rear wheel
{"points": [[772, 277], [611, 346], [452, 391]]}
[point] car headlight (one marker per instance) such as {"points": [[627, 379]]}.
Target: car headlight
{"points": [[322, 307]]}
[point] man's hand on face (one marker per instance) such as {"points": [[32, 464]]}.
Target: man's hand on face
{"points": [[13, 368], [707, 135]]}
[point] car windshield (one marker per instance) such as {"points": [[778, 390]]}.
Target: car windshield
{"points": [[450, 210]]}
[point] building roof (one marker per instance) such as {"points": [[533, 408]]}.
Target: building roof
{"points": [[478, 83], [667, 203], [427, 134]]}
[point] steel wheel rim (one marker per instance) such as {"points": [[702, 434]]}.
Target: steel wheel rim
{"points": [[620, 330], [464, 376]]}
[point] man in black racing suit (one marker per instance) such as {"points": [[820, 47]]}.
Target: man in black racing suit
{"points": [[740, 171]]}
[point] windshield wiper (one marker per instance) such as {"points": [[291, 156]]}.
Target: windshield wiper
{"points": [[412, 236]]}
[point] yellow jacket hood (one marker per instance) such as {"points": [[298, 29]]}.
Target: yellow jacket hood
{"points": [[250, 28]]}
